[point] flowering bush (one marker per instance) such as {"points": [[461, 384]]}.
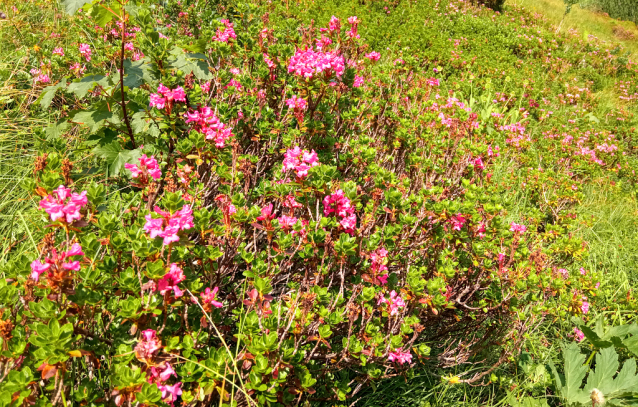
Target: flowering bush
{"points": [[280, 207]]}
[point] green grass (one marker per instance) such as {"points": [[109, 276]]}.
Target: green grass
{"points": [[585, 21]]}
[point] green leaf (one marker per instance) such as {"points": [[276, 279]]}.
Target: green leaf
{"points": [[103, 15], [47, 95], [606, 367], [71, 6], [83, 86], [575, 372], [116, 157], [138, 73], [195, 63], [57, 129], [95, 118]]}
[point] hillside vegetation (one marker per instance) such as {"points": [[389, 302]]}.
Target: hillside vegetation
{"points": [[338, 202]]}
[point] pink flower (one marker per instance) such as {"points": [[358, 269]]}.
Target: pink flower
{"points": [[585, 307], [394, 302], [578, 335], [170, 393], [334, 24], [64, 205], [433, 82], [516, 228], [373, 56], [298, 105], [400, 357], [337, 203], [206, 122], [168, 227], [583, 271], [38, 268], [287, 222], [597, 285], [266, 213], [349, 223], [309, 63], [148, 167], [85, 51], [234, 84], [478, 163], [170, 281], [148, 345], [157, 101], [564, 273], [457, 221], [208, 297], [225, 33], [58, 51], [71, 265], [300, 161], [358, 81], [291, 202]]}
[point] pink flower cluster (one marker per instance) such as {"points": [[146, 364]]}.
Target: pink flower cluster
{"points": [[354, 22], [85, 51], [378, 266], [39, 77], [339, 204], [148, 167], [516, 228], [170, 281], [585, 306], [64, 205], [457, 221], [310, 63], [148, 345], [373, 56], [208, 297], [145, 350], [166, 96], [57, 262], [578, 335], [169, 224], [266, 213], [58, 51], [334, 24], [400, 357], [206, 122], [300, 161], [226, 33], [394, 302], [298, 105]]}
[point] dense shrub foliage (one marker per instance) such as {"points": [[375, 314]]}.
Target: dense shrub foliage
{"points": [[270, 210]]}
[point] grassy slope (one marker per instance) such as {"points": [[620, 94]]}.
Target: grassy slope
{"points": [[585, 21], [613, 213]]}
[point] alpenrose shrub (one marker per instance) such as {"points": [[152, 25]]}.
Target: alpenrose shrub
{"points": [[286, 208]]}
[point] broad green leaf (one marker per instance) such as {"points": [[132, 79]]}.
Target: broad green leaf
{"points": [[47, 95], [631, 344], [140, 123], [116, 157], [57, 129], [575, 372], [94, 118], [606, 366], [138, 73], [195, 63], [83, 86], [71, 6], [103, 14]]}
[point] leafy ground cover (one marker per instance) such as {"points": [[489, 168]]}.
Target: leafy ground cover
{"points": [[323, 203]]}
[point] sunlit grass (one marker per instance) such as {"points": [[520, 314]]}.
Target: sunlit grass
{"points": [[585, 21]]}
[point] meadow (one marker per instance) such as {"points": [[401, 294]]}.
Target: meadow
{"points": [[332, 203]]}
